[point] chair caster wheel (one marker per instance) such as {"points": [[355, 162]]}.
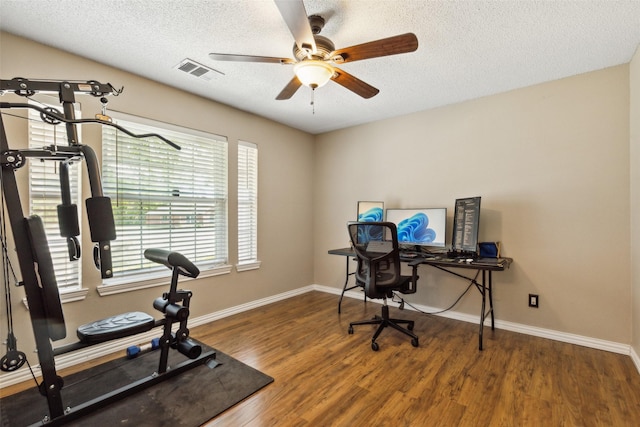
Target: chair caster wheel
{"points": [[375, 346], [350, 330], [410, 326], [414, 342]]}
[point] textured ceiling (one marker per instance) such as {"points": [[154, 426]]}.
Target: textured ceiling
{"points": [[467, 49]]}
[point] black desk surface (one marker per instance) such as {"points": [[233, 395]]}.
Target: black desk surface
{"points": [[493, 264]]}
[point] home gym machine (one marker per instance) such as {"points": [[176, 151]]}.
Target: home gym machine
{"points": [[36, 266]]}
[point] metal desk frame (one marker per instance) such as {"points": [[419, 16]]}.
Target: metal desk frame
{"points": [[481, 265]]}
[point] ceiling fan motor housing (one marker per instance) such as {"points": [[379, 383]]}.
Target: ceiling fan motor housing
{"points": [[324, 47]]}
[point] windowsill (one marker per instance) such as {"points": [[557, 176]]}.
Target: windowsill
{"points": [[130, 284], [246, 266], [68, 296], [71, 296]]}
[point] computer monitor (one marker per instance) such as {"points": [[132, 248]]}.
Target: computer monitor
{"points": [[466, 223], [420, 227], [370, 212]]}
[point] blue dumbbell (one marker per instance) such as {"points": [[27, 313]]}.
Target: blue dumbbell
{"points": [[136, 350]]}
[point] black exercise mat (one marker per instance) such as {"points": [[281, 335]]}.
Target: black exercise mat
{"points": [[188, 399]]}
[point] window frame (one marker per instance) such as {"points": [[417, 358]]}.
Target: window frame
{"points": [[149, 276], [247, 238], [45, 194]]}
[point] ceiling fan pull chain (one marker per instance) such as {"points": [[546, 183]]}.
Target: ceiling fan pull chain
{"points": [[313, 101]]}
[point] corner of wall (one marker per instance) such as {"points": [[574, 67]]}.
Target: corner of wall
{"points": [[634, 156]]}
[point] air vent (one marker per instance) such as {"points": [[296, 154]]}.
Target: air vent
{"points": [[197, 70]]}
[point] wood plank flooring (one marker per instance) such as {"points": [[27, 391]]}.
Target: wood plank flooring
{"points": [[326, 377]]}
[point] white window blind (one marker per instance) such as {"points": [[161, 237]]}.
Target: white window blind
{"points": [[45, 195], [165, 198], [247, 202]]}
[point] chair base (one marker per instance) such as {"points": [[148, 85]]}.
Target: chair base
{"points": [[386, 321]]}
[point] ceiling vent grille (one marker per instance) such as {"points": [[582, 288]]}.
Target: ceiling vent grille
{"points": [[196, 69]]}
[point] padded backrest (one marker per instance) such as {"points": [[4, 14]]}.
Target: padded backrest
{"points": [[48, 282], [376, 248], [173, 260]]}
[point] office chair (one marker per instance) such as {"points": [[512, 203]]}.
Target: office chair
{"points": [[378, 271]]}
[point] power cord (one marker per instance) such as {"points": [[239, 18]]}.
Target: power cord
{"points": [[403, 302]]}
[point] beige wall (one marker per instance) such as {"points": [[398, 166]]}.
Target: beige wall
{"points": [[635, 196], [285, 168], [551, 164]]}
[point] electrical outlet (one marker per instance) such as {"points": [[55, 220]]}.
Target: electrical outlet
{"points": [[533, 300]]}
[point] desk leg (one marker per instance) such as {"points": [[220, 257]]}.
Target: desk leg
{"points": [[487, 290], [344, 287], [483, 291], [491, 300], [346, 282]]}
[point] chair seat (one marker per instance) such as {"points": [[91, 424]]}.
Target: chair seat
{"points": [[114, 327]]}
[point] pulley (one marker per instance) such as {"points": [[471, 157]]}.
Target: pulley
{"points": [[48, 115], [12, 361]]}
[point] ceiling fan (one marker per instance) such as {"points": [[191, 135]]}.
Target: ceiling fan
{"points": [[316, 57]]}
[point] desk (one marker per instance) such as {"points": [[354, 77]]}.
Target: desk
{"points": [[483, 267]]}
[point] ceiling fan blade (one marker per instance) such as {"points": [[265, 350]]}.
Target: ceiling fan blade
{"points": [[403, 43], [295, 16], [354, 84], [289, 89], [250, 58]]}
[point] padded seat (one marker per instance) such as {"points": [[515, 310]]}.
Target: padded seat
{"points": [[114, 327]]}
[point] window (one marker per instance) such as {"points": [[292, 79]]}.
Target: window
{"points": [[163, 197], [247, 206], [45, 196]]}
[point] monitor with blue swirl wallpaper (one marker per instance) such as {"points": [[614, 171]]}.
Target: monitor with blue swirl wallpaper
{"points": [[370, 212], [420, 227]]}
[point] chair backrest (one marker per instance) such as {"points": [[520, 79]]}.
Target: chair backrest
{"points": [[378, 255]]}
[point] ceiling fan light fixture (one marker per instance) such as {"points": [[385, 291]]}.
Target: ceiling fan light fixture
{"points": [[313, 73]]}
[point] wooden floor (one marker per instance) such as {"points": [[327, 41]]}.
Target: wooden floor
{"points": [[326, 377]]}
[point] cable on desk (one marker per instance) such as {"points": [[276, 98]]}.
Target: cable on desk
{"points": [[403, 301]]}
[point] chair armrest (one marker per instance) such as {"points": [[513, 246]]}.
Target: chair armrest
{"points": [[411, 286]]}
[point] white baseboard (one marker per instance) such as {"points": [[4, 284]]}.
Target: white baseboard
{"points": [[93, 352], [599, 344], [207, 318], [635, 358]]}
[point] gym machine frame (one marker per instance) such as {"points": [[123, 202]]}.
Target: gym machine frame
{"points": [[45, 309]]}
